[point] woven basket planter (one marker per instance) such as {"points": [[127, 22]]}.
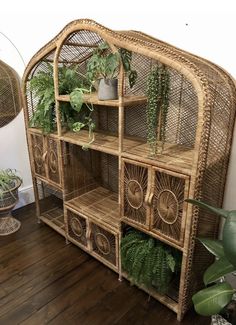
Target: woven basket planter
{"points": [[8, 224]]}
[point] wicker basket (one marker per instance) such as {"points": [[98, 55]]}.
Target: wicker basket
{"points": [[8, 200]]}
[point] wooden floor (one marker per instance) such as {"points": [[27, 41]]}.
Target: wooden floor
{"points": [[42, 281]]}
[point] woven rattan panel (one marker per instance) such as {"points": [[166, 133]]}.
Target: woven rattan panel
{"points": [[168, 205], [52, 160], [90, 169], [183, 105], [106, 119], [213, 178], [77, 227], [38, 147], [10, 94], [103, 243], [135, 188], [78, 48], [50, 198], [45, 190]]}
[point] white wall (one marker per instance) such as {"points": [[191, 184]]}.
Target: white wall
{"points": [[205, 28]]}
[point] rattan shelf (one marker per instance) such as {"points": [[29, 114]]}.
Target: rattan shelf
{"points": [[55, 219], [103, 142], [100, 205], [174, 157], [92, 98], [117, 180], [171, 303]]}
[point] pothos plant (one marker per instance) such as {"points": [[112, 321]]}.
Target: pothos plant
{"points": [[105, 64], [147, 261], [217, 295], [158, 86], [70, 82], [8, 180]]}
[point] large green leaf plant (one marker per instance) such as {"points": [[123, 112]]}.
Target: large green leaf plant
{"points": [[69, 82], [218, 292]]}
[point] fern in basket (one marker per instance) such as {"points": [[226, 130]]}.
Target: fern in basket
{"points": [[147, 261]]}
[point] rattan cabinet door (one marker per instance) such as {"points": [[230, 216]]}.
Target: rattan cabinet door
{"points": [[53, 171], [168, 207], [135, 192], [45, 151], [77, 226], [39, 152], [104, 245]]}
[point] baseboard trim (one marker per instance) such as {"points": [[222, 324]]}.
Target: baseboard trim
{"points": [[26, 196]]}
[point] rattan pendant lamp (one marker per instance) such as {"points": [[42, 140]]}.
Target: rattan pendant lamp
{"points": [[10, 106], [10, 98]]}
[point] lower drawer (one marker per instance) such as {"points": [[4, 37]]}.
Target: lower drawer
{"points": [[77, 228], [104, 244]]}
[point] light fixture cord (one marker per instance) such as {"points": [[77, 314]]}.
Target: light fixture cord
{"points": [[14, 47]]}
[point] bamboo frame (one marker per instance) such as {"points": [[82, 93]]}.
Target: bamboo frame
{"points": [[213, 92]]}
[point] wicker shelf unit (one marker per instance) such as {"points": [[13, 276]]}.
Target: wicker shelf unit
{"points": [[87, 196]]}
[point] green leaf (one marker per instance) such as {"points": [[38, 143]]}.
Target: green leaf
{"points": [[77, 126], [171, 262], [132, 78], [221, 212], [76, 99], [103, 46], [212, 300], [215, 247], [217, 270], [229, 237]]}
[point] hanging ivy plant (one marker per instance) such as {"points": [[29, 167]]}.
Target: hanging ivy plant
{"points": [[157, 106]]}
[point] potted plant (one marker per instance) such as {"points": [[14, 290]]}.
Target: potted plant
{"points": [[217, 297], [147, 261], [103, 66], [9, 184]]}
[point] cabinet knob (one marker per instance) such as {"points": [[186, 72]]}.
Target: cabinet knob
{"points": [[45, 156]]}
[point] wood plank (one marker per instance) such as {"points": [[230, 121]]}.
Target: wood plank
{"points": [[26, 255], [70, 302], [112, 307], [45, 288], [93, 99]]}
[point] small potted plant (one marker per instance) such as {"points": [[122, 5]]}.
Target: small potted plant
{"points": [[103, 66], [9, 184], [218, 296]]}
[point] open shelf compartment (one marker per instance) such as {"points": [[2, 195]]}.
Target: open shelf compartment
{"points": [[105, 135], [91, 184], [50, 206], [171, 297]]}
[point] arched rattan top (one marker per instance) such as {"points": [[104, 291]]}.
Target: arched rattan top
{"points": [[205, 76]]}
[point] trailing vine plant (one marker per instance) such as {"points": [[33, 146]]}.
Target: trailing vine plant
{"points": [[157, 106], [149, 262]]}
